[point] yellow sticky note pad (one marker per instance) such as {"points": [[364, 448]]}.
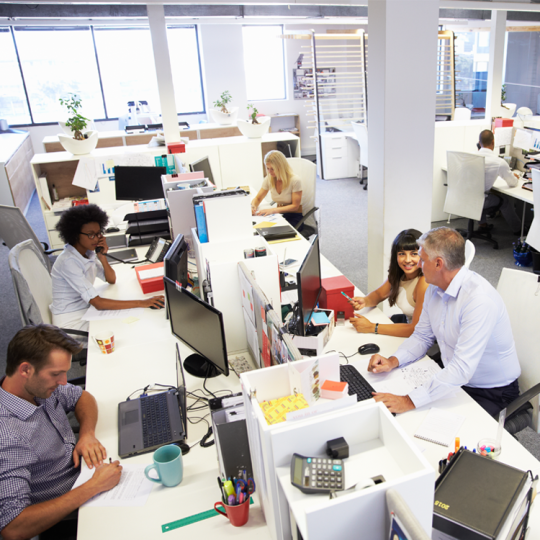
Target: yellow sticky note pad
{"points": [[264, 224], [109, 164], [130, 320]]}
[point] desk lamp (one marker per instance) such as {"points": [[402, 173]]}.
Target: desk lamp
{"points": [[524, 114]]}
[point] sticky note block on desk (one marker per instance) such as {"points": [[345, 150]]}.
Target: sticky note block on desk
{"points": [[334, 389]]}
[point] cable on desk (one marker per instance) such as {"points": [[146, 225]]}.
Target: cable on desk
{"points": [[344, 356]]}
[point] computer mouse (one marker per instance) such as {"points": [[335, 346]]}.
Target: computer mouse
{"points": [[112, 229], [369, 348], [155, 307]]}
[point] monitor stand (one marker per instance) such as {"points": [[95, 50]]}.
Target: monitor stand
{"points": [[199, 366]]}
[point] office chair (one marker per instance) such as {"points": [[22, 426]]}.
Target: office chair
{"points": [[307, 171], [470, 251], [462, 113], [518, 290], [360, 130], [465, 196], [33, 289], [14, 228]]}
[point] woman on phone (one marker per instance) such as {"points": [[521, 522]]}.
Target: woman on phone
{"points": [[75, 270], [405, 287]]}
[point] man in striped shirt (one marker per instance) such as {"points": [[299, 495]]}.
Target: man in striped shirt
{"points": [[39, 456]]}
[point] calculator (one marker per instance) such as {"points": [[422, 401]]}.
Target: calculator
{"points": [[317, 475]]}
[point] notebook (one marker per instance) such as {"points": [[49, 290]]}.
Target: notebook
{"points": [[137, 435], [440, 427], [277, 233]]}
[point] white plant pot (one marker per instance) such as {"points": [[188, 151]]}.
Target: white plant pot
{"points": [[67, 130], [224, 119], [79, 147], [254, 131], [508, 110]]}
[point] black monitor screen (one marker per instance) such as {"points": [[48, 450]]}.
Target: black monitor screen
{"points": [[138, 183], [308, 280], [176, 261], [200, 326], [203, 165]]}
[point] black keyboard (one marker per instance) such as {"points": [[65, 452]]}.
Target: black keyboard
{"points": [[155, 420], [357, 384]]}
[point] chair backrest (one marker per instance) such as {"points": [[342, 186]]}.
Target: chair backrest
{"points": [[360, 130], [466, 185], [462, 113], [32, 283], [307, 171], [14, 228], [470, 250], [520, 292]]}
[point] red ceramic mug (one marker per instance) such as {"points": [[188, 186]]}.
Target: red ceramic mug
{"points": [[238, 514]]}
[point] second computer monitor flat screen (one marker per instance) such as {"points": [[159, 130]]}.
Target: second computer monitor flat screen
{"points": [[203, 165], [309, 282], [197, 324], [139, 183]]}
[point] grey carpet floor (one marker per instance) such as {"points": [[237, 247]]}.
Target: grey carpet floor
{"points": [[343, 205]]}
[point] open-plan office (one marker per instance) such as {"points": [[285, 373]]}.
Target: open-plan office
{"points": [[405, 191]]}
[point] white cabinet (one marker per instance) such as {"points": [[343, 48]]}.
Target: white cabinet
{"points": [[339, 156]]}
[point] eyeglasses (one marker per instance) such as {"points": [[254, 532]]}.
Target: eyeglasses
{"points": [[91, 236]]}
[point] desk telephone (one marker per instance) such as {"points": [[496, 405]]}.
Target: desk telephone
{"points": [[157, 250]]}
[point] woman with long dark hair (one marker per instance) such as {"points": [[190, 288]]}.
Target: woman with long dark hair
{"points": [[405, 288]]}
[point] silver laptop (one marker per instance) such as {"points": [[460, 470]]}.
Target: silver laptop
{"points": [[146, 423]]}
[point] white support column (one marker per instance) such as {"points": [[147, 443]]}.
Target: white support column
{"points": [[401, 118], [497, 37], [162, 61]]}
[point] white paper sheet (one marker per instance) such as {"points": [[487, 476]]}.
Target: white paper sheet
{"points": [[132, 490], [247, 295], [85, 175], [523, 139], [94, 314], [503, 136], [152, 273]]}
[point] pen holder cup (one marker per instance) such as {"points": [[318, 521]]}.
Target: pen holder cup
{"points": [[238, 515]]}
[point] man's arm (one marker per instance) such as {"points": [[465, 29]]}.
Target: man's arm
{"points": [[507, 175], [37, 518], [86, 412]]}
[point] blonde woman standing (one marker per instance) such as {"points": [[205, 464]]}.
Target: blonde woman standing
{"points": [[285, 189]]}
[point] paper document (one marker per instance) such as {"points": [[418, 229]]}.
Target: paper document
{"points": [[94, 314], [132, 490], [503, 136], [440, 427], [104, 166], [85, 175], [152, 273], [523, 139]]}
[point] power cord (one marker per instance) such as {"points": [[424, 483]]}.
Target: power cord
{"points": [[344, 356]]}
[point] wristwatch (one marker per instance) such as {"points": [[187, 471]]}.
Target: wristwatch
{"points": [[377, 328]]}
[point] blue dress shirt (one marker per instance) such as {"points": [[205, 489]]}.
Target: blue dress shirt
{"points": [[36, 450], [73, 279], [471, 325]]}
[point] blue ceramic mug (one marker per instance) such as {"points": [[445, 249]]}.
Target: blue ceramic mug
{"points": [[168, 466]]}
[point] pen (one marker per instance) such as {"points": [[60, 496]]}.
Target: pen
{"points": [[232, 500], [456, 448], [223, 494], [346, 296], [110, 460]]}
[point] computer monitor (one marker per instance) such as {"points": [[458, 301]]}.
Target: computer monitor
{"points": [[203, 165], [176, 261], [138, 183], [200, 327], [308, 280]]}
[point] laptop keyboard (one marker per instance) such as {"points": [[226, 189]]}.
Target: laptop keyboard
{"points": [[155, 420], [357, 384]]}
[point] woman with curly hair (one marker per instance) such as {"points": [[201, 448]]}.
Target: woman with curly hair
{"points": [[405, 288], [77, 267], [285, 189]]}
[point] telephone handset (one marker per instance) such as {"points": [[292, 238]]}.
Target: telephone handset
{"points": [[157, 250]]}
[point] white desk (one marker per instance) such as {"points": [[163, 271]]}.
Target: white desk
{"points": [[145, 354]]}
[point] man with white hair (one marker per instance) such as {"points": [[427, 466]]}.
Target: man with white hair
{"points": [[468, 318]]}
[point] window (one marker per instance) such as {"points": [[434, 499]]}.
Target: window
{"points": [[13, 105], [56, 62], [105, 66], [264, 62]]}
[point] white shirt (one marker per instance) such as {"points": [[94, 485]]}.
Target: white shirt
{"points": [[495, 167], [285, 197], [73, 279], [472, 327]]}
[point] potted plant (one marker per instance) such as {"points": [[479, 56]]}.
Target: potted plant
{"points": [[255, 127], [222, 114], [507, 109], [76, 139]]}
